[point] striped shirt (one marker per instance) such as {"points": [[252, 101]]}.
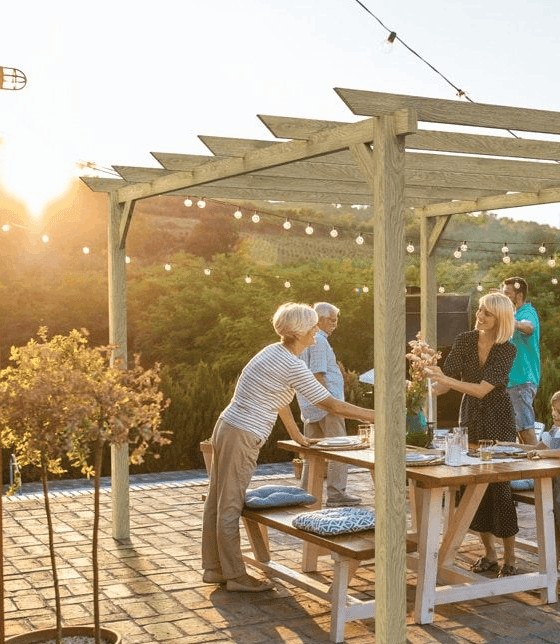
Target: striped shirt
{"points": [[267, 383]]}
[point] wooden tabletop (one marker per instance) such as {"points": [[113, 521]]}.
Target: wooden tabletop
{"points": [[441, 475]]}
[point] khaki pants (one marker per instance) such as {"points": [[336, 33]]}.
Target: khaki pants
{"points": [[235, 460]]}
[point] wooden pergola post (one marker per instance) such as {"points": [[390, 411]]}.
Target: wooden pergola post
{"points": [[384, 171], [119, 216]]}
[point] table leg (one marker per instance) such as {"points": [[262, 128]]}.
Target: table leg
{"points": [[315, 478], [428, 543], [546, 538]]}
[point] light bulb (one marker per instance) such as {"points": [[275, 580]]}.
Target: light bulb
{"points": [[45, 238], [464, 248], [506, 259], [516, 286], [287, 284], [387, 44], [542, 249], [326, 287], [255, 218], [457, 253], [309, 229], [554, 280], [441, 289], [287, 224], [365, 289], [187, 202], [359, 240], [479, 287], [201, 203], [85, 250], [410, 247], [208, 271], [6, 228], [334, 233], [167, 267], [505, 248], [248, 279], [551, 262], [238, 214], [127, 259]]}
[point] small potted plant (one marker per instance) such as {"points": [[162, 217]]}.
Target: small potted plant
{"points": [[63, 400]]}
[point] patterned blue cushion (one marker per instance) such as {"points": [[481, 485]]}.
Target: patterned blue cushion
{"points": [[275, 496], [335, 520], [523, 484]]}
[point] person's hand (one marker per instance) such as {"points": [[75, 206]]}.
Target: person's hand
{"points": [[533, 454], [300, 439], [435, 373]]}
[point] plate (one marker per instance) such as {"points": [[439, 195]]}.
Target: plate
{"points": [[337, 441], [507, 449], [415, 457]]}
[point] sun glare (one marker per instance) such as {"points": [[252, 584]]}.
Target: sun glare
{"points": [[31, 173]]}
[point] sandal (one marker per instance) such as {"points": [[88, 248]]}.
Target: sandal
{"points": [[485, 565], [507, 571]]}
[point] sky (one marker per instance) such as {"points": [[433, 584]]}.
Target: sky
{"points": [[111, 81]]}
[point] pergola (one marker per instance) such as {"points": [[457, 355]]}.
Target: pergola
{"points": [[388, 161]]}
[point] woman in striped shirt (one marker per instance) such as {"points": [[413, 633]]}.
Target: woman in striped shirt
{"points": [[263, 392]]}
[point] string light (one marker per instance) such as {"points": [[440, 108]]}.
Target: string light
{"points": [[505, 248], [248, 279], [208, 271], [45, 238], [359, 240], [6, 228], [542, 249], [410, 247], [167, 267], [365, 289], [516, 285], [309, 229], [85, 250], [457, 253], [464, 248], [287, 284], [238, 214], [506, 259], [387, 44], [201, 203], [187, 202], [326, 287], [127, 259], [255, 217], [287, 224], [551, 262], [441, 289], [554, 280], [334, 233], [479, 287]]}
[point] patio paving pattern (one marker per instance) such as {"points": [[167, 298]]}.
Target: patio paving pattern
{"points": [[152, 589]]}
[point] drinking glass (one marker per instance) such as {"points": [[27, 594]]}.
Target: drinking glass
{"points": [[453, 449], [485, 449], [364, 432], [463, 432]]}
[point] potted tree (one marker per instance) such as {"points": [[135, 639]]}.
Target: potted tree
{"points": [[60, 400]]}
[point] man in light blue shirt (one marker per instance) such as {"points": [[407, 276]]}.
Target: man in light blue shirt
{"points": [[317, 422], [525, 374]]}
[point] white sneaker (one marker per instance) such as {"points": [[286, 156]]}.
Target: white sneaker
{"points": [[343, 499]]}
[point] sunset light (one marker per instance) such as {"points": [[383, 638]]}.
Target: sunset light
{"points": [[35, 175]]}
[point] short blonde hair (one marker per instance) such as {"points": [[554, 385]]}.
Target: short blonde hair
{"points": [[555, 397], [293, 320], [502, 309]]}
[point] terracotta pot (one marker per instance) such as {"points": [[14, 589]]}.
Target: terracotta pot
{"points": [[46, 634]]}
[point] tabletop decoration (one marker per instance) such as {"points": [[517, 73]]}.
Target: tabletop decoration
{"points": [[418, 391]]}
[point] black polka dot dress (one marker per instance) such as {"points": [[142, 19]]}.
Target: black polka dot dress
{"points": [[491, 417]]}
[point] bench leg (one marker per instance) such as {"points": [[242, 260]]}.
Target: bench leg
{"points": [[258, 538], [343, 568]]}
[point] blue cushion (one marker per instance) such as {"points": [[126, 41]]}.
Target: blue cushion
{"points": [[523, 484], [275, 496], [333, 521]]}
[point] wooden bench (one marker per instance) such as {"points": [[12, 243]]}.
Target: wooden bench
{"points": [[524, 496], [347, 552]]}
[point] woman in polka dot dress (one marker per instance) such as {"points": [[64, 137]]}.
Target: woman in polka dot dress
{"points": [[478, 366]]}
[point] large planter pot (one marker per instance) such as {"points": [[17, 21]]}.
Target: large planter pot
{"points": [[46, 634]]}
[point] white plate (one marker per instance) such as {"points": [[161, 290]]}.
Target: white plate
{"points": [[506, 449], [339, 440], [415, 457]]}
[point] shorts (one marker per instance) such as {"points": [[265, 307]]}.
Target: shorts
{"points": [[522, 397]]}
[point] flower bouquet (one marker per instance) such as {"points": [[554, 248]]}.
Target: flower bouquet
{"points": [[420, 356]]}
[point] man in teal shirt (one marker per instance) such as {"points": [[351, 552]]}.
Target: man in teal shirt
{"points": [[525, 374]]}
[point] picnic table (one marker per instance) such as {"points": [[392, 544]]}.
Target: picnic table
{"points": [[439, 528]]}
